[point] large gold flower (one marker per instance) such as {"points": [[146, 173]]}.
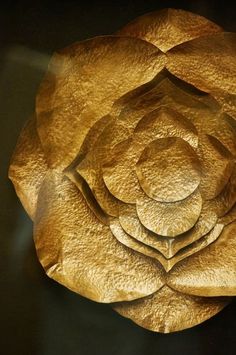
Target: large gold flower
{"points": [[128, 169]]}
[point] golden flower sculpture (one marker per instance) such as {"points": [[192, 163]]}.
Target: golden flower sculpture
{"points": [[128, 169]]}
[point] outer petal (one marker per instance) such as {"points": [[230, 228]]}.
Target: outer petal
{"points": [[209, 63], [169, 311], [28, 167], [83, 82], [212, 271], [169, 27], [80, 252]]}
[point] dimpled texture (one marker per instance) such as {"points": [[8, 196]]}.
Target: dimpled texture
{"points": [[167, 310], [65, 230], [28, 167], [128, 169], [62, 107], [178, 170], [170, 220], [211, 272], [169, 27]]}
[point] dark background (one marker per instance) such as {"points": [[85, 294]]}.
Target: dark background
{"points": [[38, 316]]}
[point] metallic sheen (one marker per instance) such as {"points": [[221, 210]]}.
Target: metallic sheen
{"points": [[127, 169]]}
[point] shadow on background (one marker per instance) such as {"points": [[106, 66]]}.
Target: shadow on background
{"points": [[38, 316]]}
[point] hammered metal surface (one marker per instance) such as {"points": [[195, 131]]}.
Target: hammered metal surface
{"points": [[129, 169], [169, 27], [168, 170], [211, 272], [28, 167], [61, 107], [168, 311], [170, 219], [79, 251]]}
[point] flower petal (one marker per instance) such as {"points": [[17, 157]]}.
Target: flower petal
{"points": [[134, 244], [80, 252], [169, 27], [211, 272], [168, 169], [119, 176], [218, 125], [229, 217], [208, 63], [169, 311], [83, 82], [131, 224], [165, 122], [28, 167], [167, 246], [217, 166], [167, 262], [227, 198], [169, 219], [105, 199]]}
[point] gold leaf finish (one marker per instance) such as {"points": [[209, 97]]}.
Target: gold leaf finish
{"points": [[128, 169], [169, 27], [79, 251], [170, 219], [28, 167], [168, 310], [178, 169]]}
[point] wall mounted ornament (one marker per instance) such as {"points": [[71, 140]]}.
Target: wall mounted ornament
{"points": [[128, 169]]}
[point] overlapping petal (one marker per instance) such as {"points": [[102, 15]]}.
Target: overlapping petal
{"points": [[81, 253], [168, 310], [28, 167], [83, 82], [169, 27], [212, 272], [209, 64], [129, 169]]}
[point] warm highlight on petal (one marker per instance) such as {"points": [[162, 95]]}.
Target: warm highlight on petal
{"points": [[28, 167], [170, 311], [81, 253], [207, 63], [129, 169], [212, 271], [169, 27], [81, 85]]}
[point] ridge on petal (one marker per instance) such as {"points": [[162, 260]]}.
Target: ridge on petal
{"points": [[28, 167], [80, 252], [169, 311], [210, 272], [82, 83], [168, 28]]}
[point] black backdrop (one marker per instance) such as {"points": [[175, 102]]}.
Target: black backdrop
{"points": [[38, 316]]}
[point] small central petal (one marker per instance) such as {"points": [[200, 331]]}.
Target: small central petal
{"points": [[168, 169]]}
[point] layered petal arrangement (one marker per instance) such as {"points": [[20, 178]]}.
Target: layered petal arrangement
{"points": [[128, 169]]}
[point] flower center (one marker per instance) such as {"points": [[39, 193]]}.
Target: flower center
{"points": [[168, 169]]}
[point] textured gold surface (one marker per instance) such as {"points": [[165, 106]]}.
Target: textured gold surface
{"points": [[80, 252], [169, 27], [28, 167], [178, 170], [211, 272], [170, 219], [128, 169], [61, 107], [168, 311]]}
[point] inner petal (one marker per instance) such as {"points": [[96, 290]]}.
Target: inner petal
{"points": [[169, 219], [119, 176], [217, 166], [167, 246], [168, 169], [165, 122], [131, 224]]}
